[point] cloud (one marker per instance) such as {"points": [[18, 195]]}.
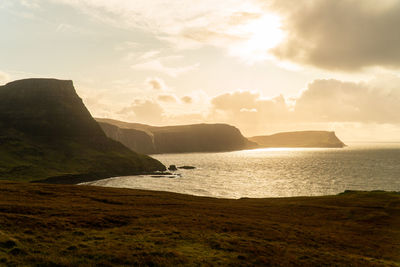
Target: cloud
{"points": [[150, 111], [144, 111], [156, 83], [341, 35], [243, 28], [356, 109], [158, 66], [187, 99], [338, 101], [150, 54], [159, 15], [235, 101], [139, 57], [251, 107], [4, 77], [375, 101], [248, 110], [126, 46], [322, 103], [65, 28], [167, 98], [30, 3], [189, 118]]}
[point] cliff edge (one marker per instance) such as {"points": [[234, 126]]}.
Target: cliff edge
{"points": [[176, 139], [299, 139], [46, 131]]}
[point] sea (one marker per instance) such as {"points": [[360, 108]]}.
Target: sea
{"points": [[275, 172]]}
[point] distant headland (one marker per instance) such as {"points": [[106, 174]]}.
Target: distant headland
{"points": [[299, 139], [148, 139], [176, 139]]}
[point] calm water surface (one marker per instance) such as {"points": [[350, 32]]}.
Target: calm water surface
{"points": [[276, 172]]}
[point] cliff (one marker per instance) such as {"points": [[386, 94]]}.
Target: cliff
{"points": [[137, 140], [299, 139], [46, 131], [176, 139]]}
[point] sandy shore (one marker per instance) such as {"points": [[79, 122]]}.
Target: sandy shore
{"points": [[69, 225]]}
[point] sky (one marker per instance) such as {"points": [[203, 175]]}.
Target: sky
{"points": [[264, 66]]}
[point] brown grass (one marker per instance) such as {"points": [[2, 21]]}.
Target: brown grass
{"points": [[61, 225]]}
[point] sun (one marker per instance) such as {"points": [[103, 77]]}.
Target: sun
{"points": [[259, 36]]}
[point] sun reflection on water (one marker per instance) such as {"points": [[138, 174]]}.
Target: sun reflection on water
{"points": [[276, 172]]}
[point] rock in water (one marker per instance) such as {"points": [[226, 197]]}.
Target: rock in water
{"points": [[172, 168], [187, 167]]}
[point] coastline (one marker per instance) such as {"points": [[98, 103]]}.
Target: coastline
{"points": [[110, 226], [75, 179]]}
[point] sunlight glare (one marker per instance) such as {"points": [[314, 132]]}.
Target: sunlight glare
{"points": [[260, 35]]}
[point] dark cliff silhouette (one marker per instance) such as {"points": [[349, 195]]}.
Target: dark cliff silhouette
{"points": [[176, 139], [299, 139], [46, 131]]}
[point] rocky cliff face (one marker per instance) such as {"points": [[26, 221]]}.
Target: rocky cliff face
{"points": [[176, 139], [46, 108], [299, 139], [46, 131], [137, 140]]}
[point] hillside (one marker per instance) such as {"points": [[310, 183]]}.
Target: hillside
{"points": [[299, 139], [62, 225], [176, 139], [46, 131]]}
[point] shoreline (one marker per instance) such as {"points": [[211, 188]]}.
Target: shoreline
{"points": [[75, 179], [72, 225], [347, 191]]}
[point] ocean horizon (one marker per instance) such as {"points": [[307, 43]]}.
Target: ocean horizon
{"points": [[275, 172]]}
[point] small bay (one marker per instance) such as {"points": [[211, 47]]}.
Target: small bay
{"points": [[276, 172]]}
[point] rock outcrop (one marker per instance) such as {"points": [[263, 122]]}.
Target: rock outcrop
{"points": [[299, 139], [187, 167], [137, 140], [176, 139], [46, 131]]}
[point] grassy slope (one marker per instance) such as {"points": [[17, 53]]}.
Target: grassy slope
{"points": [[26, 159], [81, 225], [46, 131]]}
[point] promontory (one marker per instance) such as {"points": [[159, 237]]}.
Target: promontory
{"points": [[46, 132]]}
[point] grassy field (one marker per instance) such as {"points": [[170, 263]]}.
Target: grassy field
{"points": [[25, 158], [63, 225]]}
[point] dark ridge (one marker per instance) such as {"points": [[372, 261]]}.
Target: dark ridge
{"points": [[176, 139], [299, 139], [46, 108], [46, 131]]}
